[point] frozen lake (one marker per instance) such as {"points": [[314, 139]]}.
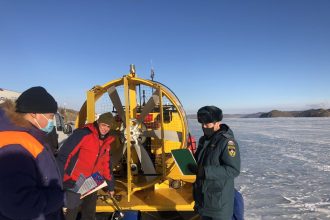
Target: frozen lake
{"points": [[285, 166]]}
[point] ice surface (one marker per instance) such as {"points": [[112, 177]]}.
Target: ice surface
{"points": [[285, 166]]}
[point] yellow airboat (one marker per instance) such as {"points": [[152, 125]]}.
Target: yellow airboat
{"points": [[150, 122]]}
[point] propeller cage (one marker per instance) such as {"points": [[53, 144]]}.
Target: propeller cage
{"points": [[150, 122]]}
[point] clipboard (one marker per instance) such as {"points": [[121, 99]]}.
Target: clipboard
{"points": [[182, 158], [86, 186]]}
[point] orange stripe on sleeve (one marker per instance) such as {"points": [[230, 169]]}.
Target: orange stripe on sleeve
{"points": [[25, 139]]}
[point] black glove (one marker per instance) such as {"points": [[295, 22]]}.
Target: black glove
{"points": [[198, 170], [72, 199], [192, 168]]}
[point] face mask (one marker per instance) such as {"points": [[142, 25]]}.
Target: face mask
{"points": [[208, 132], [49, 127]]}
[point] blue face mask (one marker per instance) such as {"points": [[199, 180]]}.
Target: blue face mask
{"points": [[49, 127]]}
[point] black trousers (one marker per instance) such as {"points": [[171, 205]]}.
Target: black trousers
{"points": [[88, 209]]}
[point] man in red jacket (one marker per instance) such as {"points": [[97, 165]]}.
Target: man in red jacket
{"points": [[85, 152]]}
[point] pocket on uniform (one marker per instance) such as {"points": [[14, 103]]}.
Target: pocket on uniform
{"points": [[212, 199]]}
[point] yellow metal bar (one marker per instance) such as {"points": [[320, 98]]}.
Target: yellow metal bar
{"points": [[160, 93], [147, 208], [147, 185], [90, 106], [128, 135], [132, 97]]}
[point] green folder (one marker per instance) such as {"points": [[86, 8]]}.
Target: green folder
{"points": [[182, 158]]}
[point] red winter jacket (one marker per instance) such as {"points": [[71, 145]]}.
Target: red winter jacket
{"points": [[84, 153]]}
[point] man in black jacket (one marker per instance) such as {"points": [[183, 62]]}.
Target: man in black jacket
{"points": [[218, 163]]}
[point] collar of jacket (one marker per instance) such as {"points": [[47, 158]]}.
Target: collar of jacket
{"points": [[223, 131], [7, 125], [93, 127]]}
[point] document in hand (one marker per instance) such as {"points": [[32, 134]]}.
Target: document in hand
{"points": [[182, 158], [86, 186]]}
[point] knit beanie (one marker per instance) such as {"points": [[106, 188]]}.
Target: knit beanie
{"points": [[106, 118], [36, 100]]}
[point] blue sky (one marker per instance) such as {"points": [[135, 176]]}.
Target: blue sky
{"points": [[243, 56]]}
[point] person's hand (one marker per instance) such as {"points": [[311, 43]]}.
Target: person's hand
{"points": [[192, 168], [111, 193], [198, 170]]}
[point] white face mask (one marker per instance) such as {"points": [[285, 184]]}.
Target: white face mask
{"points": [[49, 127]]}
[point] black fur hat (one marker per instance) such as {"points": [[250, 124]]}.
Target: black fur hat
{"points": [[209, 114]]}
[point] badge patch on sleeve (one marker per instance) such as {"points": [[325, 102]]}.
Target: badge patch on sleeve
{"points": [[231, 148]]}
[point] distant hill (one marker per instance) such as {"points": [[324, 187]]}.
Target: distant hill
{"points": [[277, 113], [306, 113]]}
